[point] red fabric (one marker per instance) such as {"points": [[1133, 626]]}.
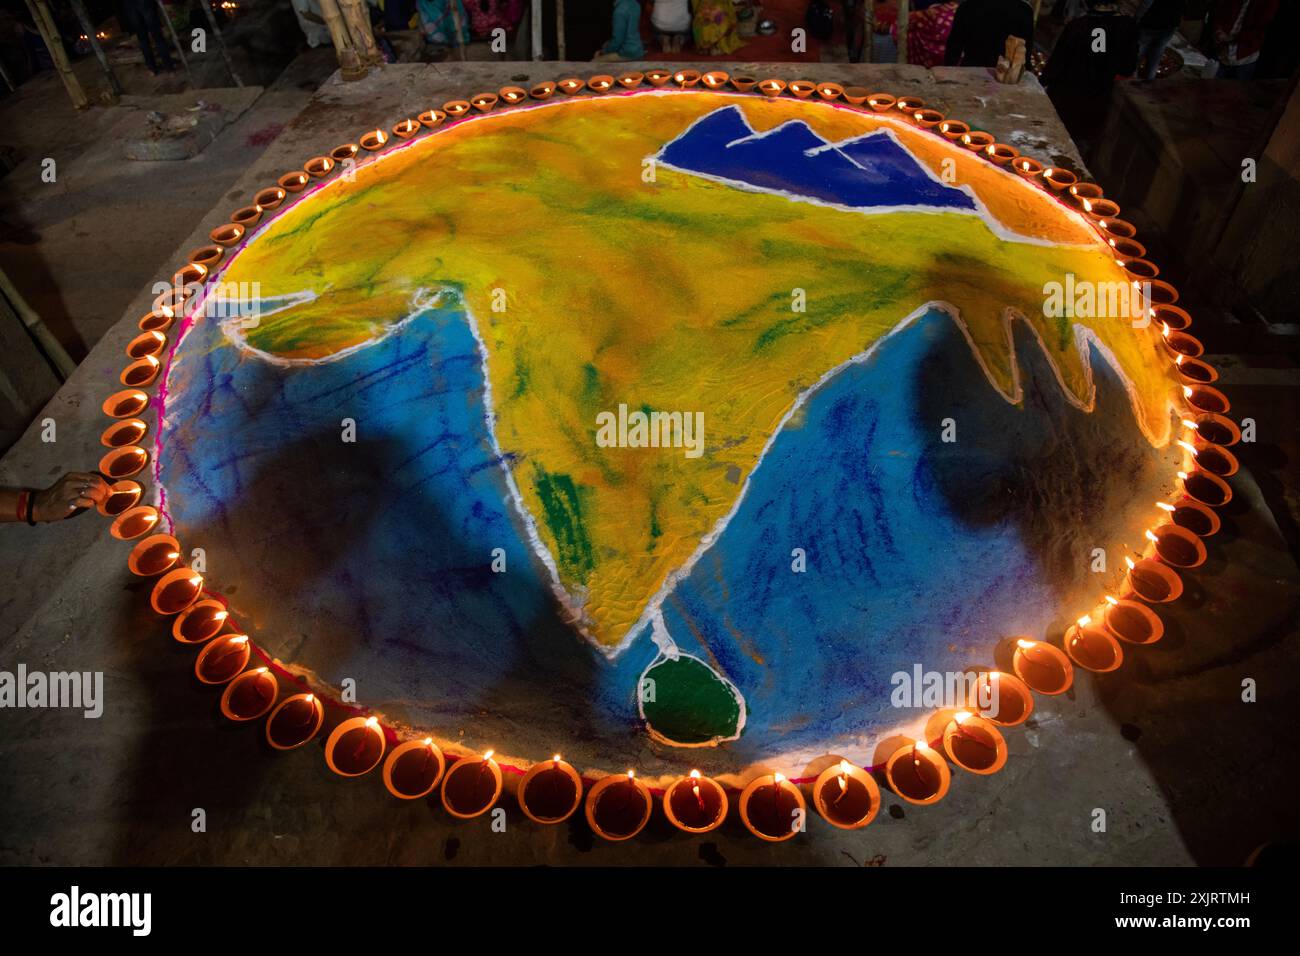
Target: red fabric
{"points": [[1253, 28], [927, 31], [486, 15]]}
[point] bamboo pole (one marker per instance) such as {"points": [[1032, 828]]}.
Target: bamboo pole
{"points": [[176, 41], [349, 61], [536, 14], [904, 14], [54, 43], [869, 30], [221, 41], [37, 328], [79, 8], [357, 20]]}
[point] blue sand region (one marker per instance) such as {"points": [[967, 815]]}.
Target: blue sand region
{"points": [[372, 559], [872, 170]]}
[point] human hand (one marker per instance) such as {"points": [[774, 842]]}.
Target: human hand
{"points": [[76, 489]]}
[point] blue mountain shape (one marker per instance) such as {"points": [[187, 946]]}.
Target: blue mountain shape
{"points": [[872, 170]]}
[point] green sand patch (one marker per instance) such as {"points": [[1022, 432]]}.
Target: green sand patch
{"points": [[691, 705]]}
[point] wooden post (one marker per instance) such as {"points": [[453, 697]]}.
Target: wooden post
{"points": [[904, 14], [79, 8], [357, 18], [221, 41], [54, 43], [559, 30], [869, 29], [180, 50], [459, 26], [349, 61], [536, 14]]}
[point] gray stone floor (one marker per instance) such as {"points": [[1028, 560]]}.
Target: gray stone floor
{"points": [[1186, 772]]}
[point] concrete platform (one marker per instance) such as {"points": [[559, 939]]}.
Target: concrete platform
{"points": [[1185, 771]]}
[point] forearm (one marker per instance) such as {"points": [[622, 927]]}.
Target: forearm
{"points": [[14, 504]]}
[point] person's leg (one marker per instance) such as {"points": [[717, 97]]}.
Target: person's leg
{"points": [[1151, 45], [136, 12], [149, 10]]}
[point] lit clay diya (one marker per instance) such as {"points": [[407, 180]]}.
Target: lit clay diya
{"points": [[600, 83], [1132, 622], [1001, 698], [355, 746], [1208, 489], [1093, 648], [918, 774], [1216, 429], [1117, 228], [1216, 460], [695, 804], [927, 118], [1157, 291], [630, 81], [294, 721], [269, 198], [1027, 167], [413, 769], [513, 95], [1127, 248], [200, 622], [122, 495], [772, 808], [294, 182], [1082, 192], [318, 167], [1152, 581], [141, 373], [124, 462], [455, 109], [772, 87], [247, 216], [1139, 270], [953, 130], [341, 154], [1000, 153], [193, 273], [157, 320], [471, 787], [856, 95], [432, 119], [714, 79], [154, 555], [570, 86], [1043, 667], [846, 796], [1182, 343], [209, 256], [134, 523], [377, 139], [222, 658], [830, 91], [1177, 546], [618, 807], [743, 84], [686, 79], [974, 744], [1205, 398], [250, 695], [542, 91], [658, 77], [1059, 179], [227, 235], [126, 403], [976, 140], [176, 590], [908, 104], [407, 128], [484, 102], [1099, 209], [146, 343], [881, 102], [1171, 317], [550, 792]]}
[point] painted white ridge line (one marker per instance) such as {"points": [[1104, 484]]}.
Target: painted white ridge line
{"points": [[1082, 336], [419, 306], [980, 210], [742, 716]]}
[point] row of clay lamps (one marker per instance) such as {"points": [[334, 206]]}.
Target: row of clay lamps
{"points": [[618, 807]]}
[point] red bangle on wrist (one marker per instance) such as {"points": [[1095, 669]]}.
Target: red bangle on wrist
{"points": [[20, 512]]}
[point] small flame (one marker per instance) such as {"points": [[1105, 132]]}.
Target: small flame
{"points": [[1187, 391], [695, 775], [372, 722], [221, 615], [240, 639], [1084, 621], [1179, 360], [196, 580], [778, 778], [631, 775], [1188, 423], [1129, 562], [920, 745], [151, 360], [173, 555], [1182, 475], [1164, 329], [1111, 601], [428, 741], [845, 767], [262, 670], [1165, 506], [1151, 536], [1187, 447], [487, 755], [1024, 645], [962, 716], [310, 698], [1087, 205]]}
